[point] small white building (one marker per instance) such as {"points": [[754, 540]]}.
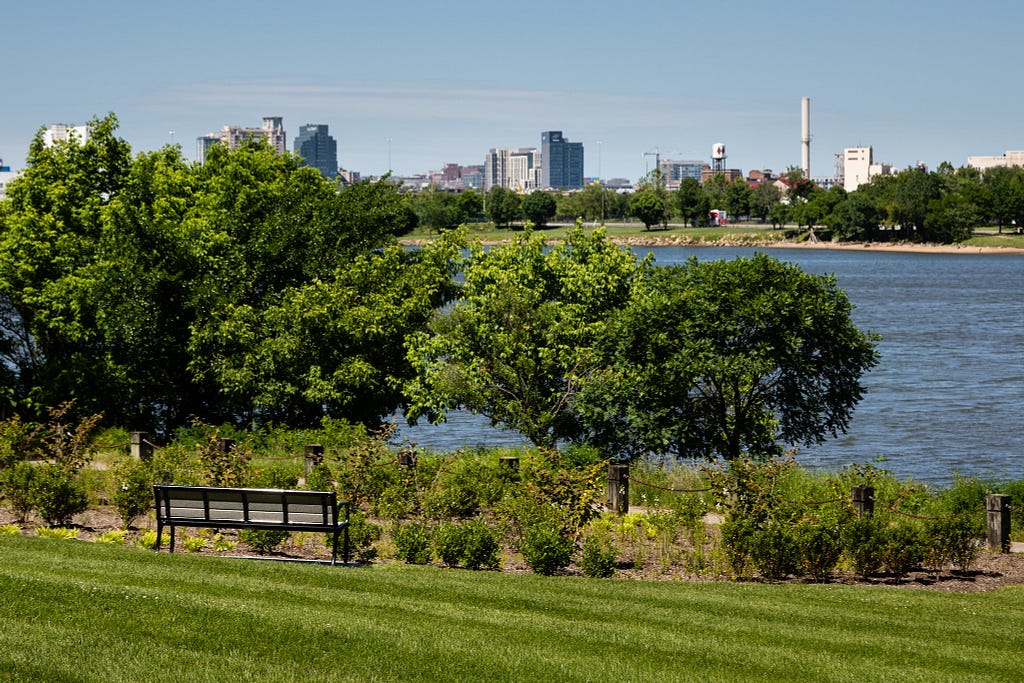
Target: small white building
{"points": [[6, 176], [859, 167], [1007, 159]]}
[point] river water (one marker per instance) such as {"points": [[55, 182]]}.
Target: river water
{"points": [[948, 393]]}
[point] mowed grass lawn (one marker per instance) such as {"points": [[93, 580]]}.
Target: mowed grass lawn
{"points": [[77, 611]]}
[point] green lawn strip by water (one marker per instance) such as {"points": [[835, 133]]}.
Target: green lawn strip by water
{"points": [[83, 612]]}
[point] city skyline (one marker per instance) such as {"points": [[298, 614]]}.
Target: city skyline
{"points": [[412, 87]]}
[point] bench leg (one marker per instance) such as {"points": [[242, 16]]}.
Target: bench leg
{"points": [[173, 528], [159, 533]]}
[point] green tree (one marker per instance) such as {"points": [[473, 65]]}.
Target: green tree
{"points": [[470, 205], [854, 218], [765, 197], [727, 358], [539, 207], [503, 206], [739, 198], [436, 209], [1007, 201], [715, 187], [692, 201], [517, 343], [914, 191]]}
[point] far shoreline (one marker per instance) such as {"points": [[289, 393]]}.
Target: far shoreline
{"points": [[730, 241]]}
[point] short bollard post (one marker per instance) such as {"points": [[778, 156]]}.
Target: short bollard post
{"points": [[998, 521], [140, 447], [618, 488], [314, 456], [226, 445], [407, 459], [509, 463], [864, 500]]}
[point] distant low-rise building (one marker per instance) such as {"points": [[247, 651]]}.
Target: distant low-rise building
{"points": [[673, 172], [859, 167], [1015, 158]]}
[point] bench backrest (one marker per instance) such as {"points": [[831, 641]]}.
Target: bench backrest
{"points": [[246, 506]]}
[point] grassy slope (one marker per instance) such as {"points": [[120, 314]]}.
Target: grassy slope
{"points": [[73, 611]]}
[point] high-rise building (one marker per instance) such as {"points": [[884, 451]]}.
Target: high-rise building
{"points": [[562, 167], [272, 131], [514, 168], [318, 149]]}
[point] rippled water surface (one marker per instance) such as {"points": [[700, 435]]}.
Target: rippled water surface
{"points": [[948, 393]]}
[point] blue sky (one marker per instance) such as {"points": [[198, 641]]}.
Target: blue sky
{"points": [[446, 81]]}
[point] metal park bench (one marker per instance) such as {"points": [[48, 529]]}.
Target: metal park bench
{"points": [[240, 508]]}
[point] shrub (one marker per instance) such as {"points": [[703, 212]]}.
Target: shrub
{"points": [[9, 530], [954, 540], [146, 541], [862, 541], [193, 544], [820, 548], [597, 556], [17, 485], [14, 442], [57, 532], [737, 531], [449, 543], [451, 498], [545, 548], [133, 490], [362, 535], [481, 545], [775, 551], [115, 537], [903, 549], [223, 544], [412, 541], [57, 495], [263, 541]]}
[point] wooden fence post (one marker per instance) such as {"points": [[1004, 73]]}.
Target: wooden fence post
{"points": [[998, 522], [226, 445], [618, 488], [407, 459], [314, 456], [140, 447], [509, 463], [863, 499]]}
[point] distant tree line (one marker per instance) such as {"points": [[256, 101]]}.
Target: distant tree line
{"points": [[942, 206]]}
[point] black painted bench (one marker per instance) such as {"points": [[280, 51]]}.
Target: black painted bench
{"points": [[241, 508]]}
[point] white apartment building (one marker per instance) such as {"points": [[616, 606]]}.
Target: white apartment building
{"points": [[1007, 159], [60, 132], [6, 176], [514, 168]]}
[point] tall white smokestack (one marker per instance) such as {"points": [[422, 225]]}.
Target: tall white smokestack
{"points": [[805, 135]]}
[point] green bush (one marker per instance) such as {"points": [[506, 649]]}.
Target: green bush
{"points": [[903, 548], [17, 486], [133, 490], [14, 442], [263, 541], [449, 543], [362, 535], [481, 545], [820, 548], [451, 498], [58, 495], [597, 556], [545, 548], [57, 532], [957, 539], [737, 531], [863, 539], [412, 542], [775, 551]]}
